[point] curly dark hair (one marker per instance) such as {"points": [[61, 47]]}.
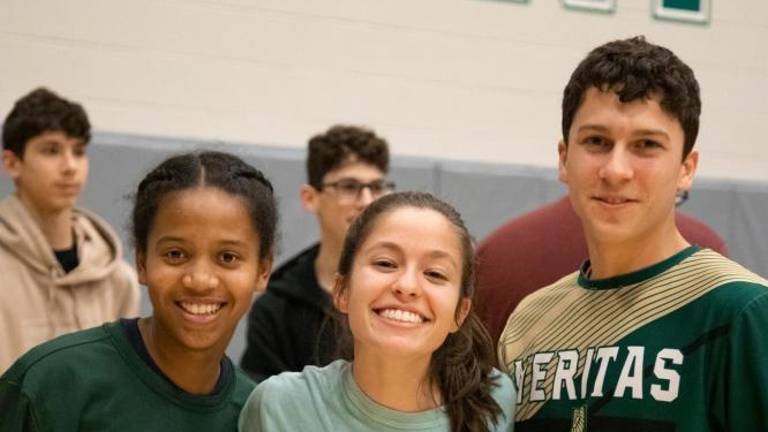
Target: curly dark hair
{"points": [[341, 144], [221, 170], [42, 111], [462, 366], [636, 69]]}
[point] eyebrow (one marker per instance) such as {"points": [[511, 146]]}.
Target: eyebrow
{"points": [[434, 254], [595, 127], [172, 239], [652, 132]]}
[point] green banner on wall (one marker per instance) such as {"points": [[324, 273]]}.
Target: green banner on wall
{"points": [[696, 11], [686, 5]]}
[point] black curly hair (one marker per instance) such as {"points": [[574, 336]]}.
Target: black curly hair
{"points": [[216, 169], [636, 69], [341, 144], [42, 111]]}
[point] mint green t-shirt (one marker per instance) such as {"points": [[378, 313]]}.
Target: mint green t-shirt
{"points": [[328, 399]]}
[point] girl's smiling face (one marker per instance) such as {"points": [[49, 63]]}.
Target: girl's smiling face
{"points": [[403, 294], [202, 267]]}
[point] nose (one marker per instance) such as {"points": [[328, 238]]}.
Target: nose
{"points": [[68, 161], [200, 279], [365, 197], [407, 285], [617, 167]]}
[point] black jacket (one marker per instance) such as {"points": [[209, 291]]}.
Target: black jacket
{"points": [[288, 325]]}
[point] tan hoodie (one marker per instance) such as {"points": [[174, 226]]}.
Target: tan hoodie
{"points": [[38, 301]]}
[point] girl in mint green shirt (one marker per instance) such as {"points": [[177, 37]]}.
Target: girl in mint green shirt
{"points": [[421, 360]]}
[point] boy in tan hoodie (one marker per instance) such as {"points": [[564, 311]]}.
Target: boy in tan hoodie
{"points": [[61, 267]]}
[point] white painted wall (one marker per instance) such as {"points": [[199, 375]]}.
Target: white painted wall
{"points": [[462, 79]]}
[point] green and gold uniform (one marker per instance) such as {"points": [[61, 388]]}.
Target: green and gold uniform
{"points": [[679, 346]]}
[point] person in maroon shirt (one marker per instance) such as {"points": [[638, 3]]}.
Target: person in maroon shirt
{"points": [[538, 248]]}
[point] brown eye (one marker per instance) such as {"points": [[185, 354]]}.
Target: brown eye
{"points": [[175, 256], [434, 274], [385, 264], [50, 150], [349, 187], [229, 258]]}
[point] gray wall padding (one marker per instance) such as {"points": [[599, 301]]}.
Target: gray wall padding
{"points": [[486, 194]]}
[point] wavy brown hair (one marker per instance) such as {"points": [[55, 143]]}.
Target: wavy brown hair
{"points": [[462, 366]]}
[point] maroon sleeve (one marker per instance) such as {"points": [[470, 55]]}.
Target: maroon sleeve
{"points": [[523, 255], [697, 232]]}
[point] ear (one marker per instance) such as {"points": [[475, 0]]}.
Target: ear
{"points": [[265, 271], [141, 267], [340, 295], [309, 198], [12, 164], [687, 170], [562, 153], [462, 311]]}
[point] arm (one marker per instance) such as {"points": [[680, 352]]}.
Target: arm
{"points": [[269, 408], [251, 415], [18, 413], [746, 386]]}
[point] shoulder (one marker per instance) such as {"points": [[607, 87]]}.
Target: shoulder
{"points": [[533, 315], [124, 276], [309, 379], [504, 394], [297, 387], [730, 285], [244, 385], [504, 390], [542, 297], [296, 264], [96, 227], [60, 358]]}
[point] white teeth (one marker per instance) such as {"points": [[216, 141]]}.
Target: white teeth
{"points": [[401, 315], [201, 308]]}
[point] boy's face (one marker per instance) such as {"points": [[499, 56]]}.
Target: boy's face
{"points": [[623, 166], [334, 207], [51, 173]]}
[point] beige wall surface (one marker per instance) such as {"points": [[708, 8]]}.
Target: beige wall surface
{"points": [[460, 79]]}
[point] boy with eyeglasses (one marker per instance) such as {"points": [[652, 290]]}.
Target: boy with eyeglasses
{"points": [[346, 170]]}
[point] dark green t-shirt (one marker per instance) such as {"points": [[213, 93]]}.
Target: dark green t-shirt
{"points": [[679, 346], [93, 380]]}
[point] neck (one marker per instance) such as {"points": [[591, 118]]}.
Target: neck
{"points": [[327, 262], [194, 372], [55, 225], [614, 259], [399, 383]]}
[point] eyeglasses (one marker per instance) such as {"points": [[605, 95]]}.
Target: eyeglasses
{"points": [[350, 189]]}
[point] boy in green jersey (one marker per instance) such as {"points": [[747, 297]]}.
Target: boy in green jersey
{"points": [[652, 333]]}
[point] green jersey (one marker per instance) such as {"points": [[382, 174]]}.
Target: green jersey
{"points": [[94, 380], [679, 346]]}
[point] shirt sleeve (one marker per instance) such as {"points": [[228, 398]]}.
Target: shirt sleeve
{"points": [[746, 385], [18, 413], [250, 417]]}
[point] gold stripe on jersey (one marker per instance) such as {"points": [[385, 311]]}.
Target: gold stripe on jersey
{"points": [[562, 316]]}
